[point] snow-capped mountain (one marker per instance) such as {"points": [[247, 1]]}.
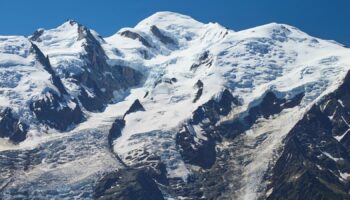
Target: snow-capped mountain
{"points": [[174, 109]]}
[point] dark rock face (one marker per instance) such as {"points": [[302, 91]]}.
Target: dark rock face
{"points": [[119, 124], [205, 59], [122, 79], [56, 113], [128, 184], [214, 109], [135, 36], [315, 159], [161, 36], [203, 153], [36, 35], [271, 105], [115, 131], [11, 127], [165, 80], [136, 106], [95, 102], [199, 85], [99, 78]]}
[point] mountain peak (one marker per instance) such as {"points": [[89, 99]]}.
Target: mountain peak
{"points": [[273, 26], [166, 19]]}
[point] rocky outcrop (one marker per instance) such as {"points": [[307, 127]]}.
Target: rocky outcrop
{"points": [[115, 131], [267, 106], [315, 162], [271, 105], [127, 184], [161, 36], [119, 123], [135, 36], [136, 106], [99, 80], [53, 111], [11, 127], [204, 59], [165, 80], [199, 148], [199, 85], [36, 35]]}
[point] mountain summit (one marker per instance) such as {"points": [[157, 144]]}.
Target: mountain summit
{"points": [[174, 109]]}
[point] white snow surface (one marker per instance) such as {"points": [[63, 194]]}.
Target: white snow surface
{"points": [[274, 57]]}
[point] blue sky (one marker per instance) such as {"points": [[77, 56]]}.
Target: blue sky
{"points": [[322, 18]]}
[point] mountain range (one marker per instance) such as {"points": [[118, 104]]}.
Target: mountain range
{"points": [[174, 109]]}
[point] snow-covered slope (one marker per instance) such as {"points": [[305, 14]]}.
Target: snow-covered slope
{"points": [[187, 98], [64, 46], [272, 57], [28, 85], [21, 74]]}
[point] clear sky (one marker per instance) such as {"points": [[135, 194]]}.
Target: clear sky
{"points": [[328, 19]]}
